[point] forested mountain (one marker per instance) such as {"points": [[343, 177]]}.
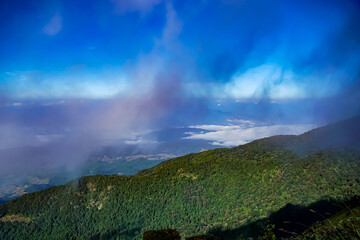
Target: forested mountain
{"points": [[232, 193], [120, 158]]}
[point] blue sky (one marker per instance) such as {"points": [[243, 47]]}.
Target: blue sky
{"points": [[225, 49], [113, 69]]}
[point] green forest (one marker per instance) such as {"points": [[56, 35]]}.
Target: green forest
{"points": [[235, 193]]}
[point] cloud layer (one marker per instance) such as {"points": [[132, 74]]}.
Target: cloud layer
{"points": [[243, 132]]}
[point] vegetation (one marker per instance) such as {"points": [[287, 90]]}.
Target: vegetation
{"points": [[216, 191], [343, 225], [16, 186], [163, 234]]}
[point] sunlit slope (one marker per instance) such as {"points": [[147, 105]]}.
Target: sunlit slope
{"points": [[196, 193]]}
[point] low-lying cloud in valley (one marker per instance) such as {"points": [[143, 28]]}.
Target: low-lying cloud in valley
{"points": [[245, 131]]}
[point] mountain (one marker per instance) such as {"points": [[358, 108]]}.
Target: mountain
{"points": [[342, 134], [20, 177], [225, 192], [18, 184]]}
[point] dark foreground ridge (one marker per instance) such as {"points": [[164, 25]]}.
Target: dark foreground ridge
{"points": [[165, 234], [291, 221], [253, 190], [172, 234], [296, 221]]}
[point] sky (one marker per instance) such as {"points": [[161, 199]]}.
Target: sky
{"points": [[87, 73]]}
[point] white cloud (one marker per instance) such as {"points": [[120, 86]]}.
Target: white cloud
{"points": [[54, 26], [267, 80], [241, 122], [233, 135], [69, 84]]}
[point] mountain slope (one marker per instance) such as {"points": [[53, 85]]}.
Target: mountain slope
{"points": [[17, 175], [197, 193], [343, 225]]}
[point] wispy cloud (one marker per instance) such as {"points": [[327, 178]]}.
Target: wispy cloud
{"points": [[142, 6], [243, 132], [54, 26], [172, 28]]}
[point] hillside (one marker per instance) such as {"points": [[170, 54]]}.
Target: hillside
{"points": [[343, 225], [221, 191], [18, 177]]}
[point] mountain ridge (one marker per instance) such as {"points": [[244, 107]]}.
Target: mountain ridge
{"points": [[195, 193]]}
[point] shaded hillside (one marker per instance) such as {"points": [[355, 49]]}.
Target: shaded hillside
{"points": [[331, 218], [343, 225], [344, 134], [218, 189]]}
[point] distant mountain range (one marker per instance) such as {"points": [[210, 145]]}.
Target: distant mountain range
{"points": [[281, 186]]}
